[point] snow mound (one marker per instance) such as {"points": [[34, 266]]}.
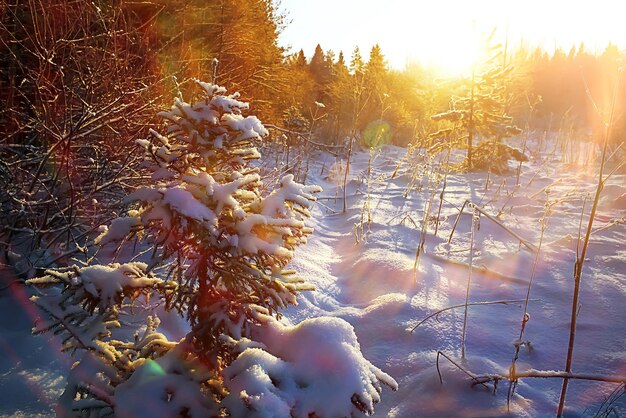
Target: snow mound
{"points": [[315, 367]]}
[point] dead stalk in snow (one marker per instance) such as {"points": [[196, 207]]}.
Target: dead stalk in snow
{"points": [[521, 240], [369, 187], [510, 196], [532, 107], [580, 260], [423, 232], [328, 208], [607, 405], [481, 269], [360, 103], [417, 177], [496, 302], [483, 379], [345, 175], [307, 145], [443, 190], [549, 374], [469, 279], [526, 315], [405, 157], [440, 353], [457, 220], [360, 231], [543, 189], [613, 222]]}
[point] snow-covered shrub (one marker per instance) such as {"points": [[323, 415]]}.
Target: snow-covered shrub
{"points": [[204, 240], [495, 156]]}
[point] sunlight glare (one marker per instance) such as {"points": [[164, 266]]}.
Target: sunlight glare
{"points": [[453, 54]]}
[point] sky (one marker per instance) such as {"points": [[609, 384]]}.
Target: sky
{"points": [[441, 32]]}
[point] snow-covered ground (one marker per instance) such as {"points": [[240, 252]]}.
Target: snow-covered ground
{"points": [[372, 285]]}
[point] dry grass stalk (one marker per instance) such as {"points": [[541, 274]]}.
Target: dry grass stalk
{"points": [[469, 278], [496, 302], [521, 240], [423, 232], [580, 260], [526, 315]]}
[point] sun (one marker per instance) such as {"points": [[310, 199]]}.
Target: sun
{"points": [[460, 50], [452, 54]]}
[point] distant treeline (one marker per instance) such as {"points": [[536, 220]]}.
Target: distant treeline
{"points": [[101, 68], [81, 81]]}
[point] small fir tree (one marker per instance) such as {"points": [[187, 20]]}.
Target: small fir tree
{"points": [[202, 240], [482, 114]]}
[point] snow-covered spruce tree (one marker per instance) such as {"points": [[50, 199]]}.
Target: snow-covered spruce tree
{"points": [[481, 114], [206, 241]]}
